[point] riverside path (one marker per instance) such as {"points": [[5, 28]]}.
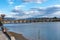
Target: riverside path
{"points": [[3, 36]]}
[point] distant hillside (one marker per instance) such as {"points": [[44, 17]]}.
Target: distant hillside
{"points": [[9, 19]]}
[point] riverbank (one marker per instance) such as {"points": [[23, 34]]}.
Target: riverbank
{"points": [[17, 36], [14, 36]]}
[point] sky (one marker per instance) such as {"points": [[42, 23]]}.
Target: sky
{"points": [[24, 8]]}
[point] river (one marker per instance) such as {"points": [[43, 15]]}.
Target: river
{"points": [[37, 31]]}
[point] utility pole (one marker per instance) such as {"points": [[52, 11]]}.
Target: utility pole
{"points": [[38, 34]]}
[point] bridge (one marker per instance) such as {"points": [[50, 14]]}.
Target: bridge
{"points": [[33, 20]]}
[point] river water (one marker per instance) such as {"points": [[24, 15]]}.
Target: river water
{"points": [[37, 31]]}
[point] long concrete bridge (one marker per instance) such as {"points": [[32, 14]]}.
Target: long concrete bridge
{"points": [[17, 21], [33, 20]]}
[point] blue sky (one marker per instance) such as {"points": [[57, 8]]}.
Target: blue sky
{"points": [[6, 6]]}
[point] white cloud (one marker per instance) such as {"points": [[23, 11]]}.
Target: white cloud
{"points": [[35, 1], [24, 16], [57, 5], [53, 14], [18, 7], [1, 12], [11, 2], [28, 14], [8, 15], [39, 1], [37, 12], [19, 13], [56, 14], [52, 6], [16, 15], [45, 16]]}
